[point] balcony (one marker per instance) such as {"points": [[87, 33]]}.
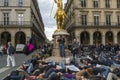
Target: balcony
{"points": [[99, 25], [15, 24]]}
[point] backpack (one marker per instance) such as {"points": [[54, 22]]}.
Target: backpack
{"points": [[14, 73]]}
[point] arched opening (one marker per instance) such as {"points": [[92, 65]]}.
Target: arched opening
{"points": [[85, 37], [118, 37], [20, 38], [97, 38], [109, 37], [5, 37]]}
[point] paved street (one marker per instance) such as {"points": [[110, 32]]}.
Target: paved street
{"points": [[20, 58]]}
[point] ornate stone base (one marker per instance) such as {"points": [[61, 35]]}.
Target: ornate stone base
{"points": [[56, 52], [61, 32], [56, 35]]}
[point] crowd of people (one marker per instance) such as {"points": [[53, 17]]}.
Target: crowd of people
{"points": [[100, 62], [92, 63], [46, 49]]}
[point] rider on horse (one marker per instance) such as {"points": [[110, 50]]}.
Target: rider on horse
{"points": [[60, 14]]}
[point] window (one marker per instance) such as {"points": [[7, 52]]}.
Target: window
{"points": [[6, 3], [108, 19], [83, 3], [84, 19], [118, 3], [95, 3], [20, 2], [6, 18], [20, 19], [96, 19], [118, 18], [107, 3]]}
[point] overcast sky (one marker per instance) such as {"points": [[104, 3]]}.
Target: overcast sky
{"points": [[49, 21]]}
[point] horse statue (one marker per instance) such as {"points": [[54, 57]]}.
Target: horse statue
{"points": [[60, 14]]}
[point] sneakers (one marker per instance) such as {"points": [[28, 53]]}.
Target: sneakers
{"points": [[10, 66], [7, 66], [13, 66]]}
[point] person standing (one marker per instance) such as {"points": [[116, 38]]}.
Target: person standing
{"points": [[61, 46], [75, 49], [10, 55], [1, 50]]}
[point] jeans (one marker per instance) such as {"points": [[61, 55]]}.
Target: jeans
{"points": [[53, 76], [106, 71], [105, 61], [62, 64], [68, 78], [30, 68], [12, 78], [75, 58], [1, 53], [48, 72], [62, 50], [15, 77]]}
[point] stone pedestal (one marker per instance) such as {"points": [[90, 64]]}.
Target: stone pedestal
{"points": [[56, 35], [56, 52]]}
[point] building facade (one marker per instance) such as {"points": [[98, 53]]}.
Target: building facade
{"points": [[20, 20], [93, 21]]}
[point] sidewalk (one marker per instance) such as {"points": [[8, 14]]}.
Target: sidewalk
{"points": [[4, 71]]}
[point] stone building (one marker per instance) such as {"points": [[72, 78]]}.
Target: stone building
{"points": [[93, 21], [19, 21]]}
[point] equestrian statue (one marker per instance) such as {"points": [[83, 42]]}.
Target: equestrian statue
{"points": [[60, 14]]}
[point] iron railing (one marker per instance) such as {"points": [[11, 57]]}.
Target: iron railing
{"points": [[100, 24], [15, 24]]}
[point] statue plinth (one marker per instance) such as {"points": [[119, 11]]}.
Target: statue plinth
{"points": [[56, 35], [60, 32], [56, 51]]}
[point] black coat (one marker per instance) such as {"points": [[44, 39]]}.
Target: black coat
{"points": [[11, 50]]}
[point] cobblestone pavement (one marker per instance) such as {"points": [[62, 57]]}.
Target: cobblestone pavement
{"points": [[19, 58]]}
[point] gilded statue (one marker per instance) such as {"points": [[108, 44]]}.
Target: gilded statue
{"points": [[60, 14]]}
